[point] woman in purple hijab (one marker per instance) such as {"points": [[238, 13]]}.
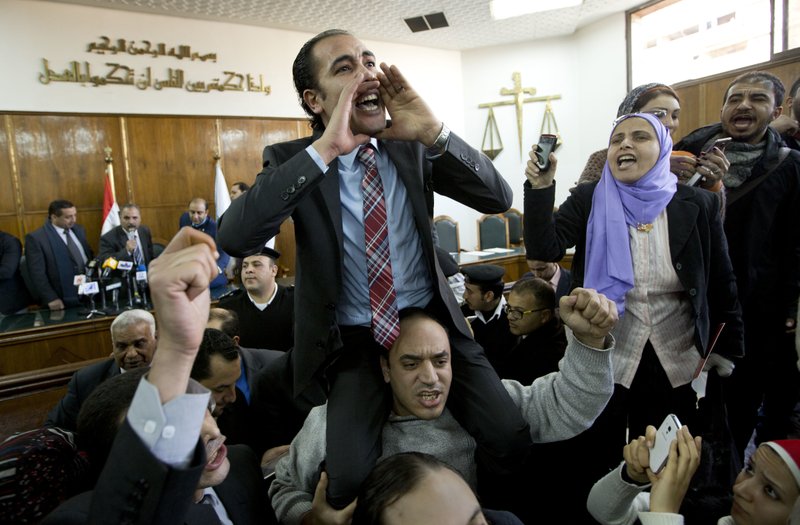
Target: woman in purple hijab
{"points": [[658, 250]]}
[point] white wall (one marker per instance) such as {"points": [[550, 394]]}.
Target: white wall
{"points": [[587, 69], [32, 30]]}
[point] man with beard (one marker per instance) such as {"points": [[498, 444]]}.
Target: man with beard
{"points": [[130, 241], [761, 225]]}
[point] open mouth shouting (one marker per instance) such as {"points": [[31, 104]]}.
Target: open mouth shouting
{"points": [[369, 102], [430, 398], [626, 160], [742, 121]]}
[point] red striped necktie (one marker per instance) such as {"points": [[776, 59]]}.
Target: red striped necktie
{"points": [[382, 295]]}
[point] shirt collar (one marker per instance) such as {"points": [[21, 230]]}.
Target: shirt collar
{"points": [[556, 277], [263, 306], [348, 161], [495, 314]]}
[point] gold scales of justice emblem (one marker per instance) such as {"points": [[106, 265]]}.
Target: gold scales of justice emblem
{"points": [[492, 143]]}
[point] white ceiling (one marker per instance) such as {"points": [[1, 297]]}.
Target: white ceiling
{"points": [[471, 25]]}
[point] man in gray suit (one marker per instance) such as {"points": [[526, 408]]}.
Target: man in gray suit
{"points": [[55, 254], [358, 265]]}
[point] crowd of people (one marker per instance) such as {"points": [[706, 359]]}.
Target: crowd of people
{"points": [[366, 393]]}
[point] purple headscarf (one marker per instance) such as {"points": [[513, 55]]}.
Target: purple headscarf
{"points": [[615, 206]]}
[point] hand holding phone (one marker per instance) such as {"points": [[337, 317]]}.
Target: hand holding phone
{"points": [[719, 144], [547, 144], [665, 435]]}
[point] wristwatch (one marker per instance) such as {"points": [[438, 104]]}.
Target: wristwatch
{"points": [[440, 144]]}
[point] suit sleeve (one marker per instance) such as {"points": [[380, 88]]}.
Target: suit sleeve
{"points": [[37, 264], [10, 253], [135, 487], [109, 248], [467, 176], [256, 216], [547, 234]]}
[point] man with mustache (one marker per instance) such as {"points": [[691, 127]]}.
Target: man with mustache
{"points": [[130, 241], [357, 192], [165, 449], [761, 224], [420, 371], [133, 340]]}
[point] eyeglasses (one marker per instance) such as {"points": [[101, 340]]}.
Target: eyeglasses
{"points": [[515, 314]]}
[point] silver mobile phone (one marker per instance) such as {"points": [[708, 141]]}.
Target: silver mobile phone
{"points": [[666, 434]]}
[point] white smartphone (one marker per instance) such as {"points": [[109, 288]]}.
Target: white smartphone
{"points": [[665, 435]]}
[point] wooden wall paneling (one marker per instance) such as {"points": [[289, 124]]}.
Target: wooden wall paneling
{"points": [[171, 162], [10, 208], [61, 157], [243, 142]]}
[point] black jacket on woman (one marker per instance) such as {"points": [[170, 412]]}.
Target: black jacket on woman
{"points": [[697, 244]]}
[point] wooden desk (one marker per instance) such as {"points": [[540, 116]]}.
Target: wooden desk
{"points": [[513, 262]]}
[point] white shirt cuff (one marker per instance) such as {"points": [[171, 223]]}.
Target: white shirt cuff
{"points": [[317, 159], [170, 431]]}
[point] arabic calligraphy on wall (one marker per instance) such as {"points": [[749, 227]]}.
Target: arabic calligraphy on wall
{"points": [[146, 48], [114, 73]]}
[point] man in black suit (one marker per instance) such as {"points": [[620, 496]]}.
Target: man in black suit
{"points": [[158, 458], [130, 241], [237, 421], [133, 339], [55, 254], [340, 283], [13, 292], [532, 317], [560, 279]]}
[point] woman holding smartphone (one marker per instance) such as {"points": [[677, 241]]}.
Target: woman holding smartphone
{"points": [[658, 250], [663, 102], [765, 492]]}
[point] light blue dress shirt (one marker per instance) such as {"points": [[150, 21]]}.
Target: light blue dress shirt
{"points": [[412, 280]]}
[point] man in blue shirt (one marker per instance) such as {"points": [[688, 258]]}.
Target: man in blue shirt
{"points": [[365, 249]]}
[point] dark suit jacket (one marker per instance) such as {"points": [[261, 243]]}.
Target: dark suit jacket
{"points": [[82, 384], [112, 244], [238, 421], [697, 245], [764, 237], [50, 266], [536, 355], [13, 293], [291, 184], [135, 487], [564, 285]]}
